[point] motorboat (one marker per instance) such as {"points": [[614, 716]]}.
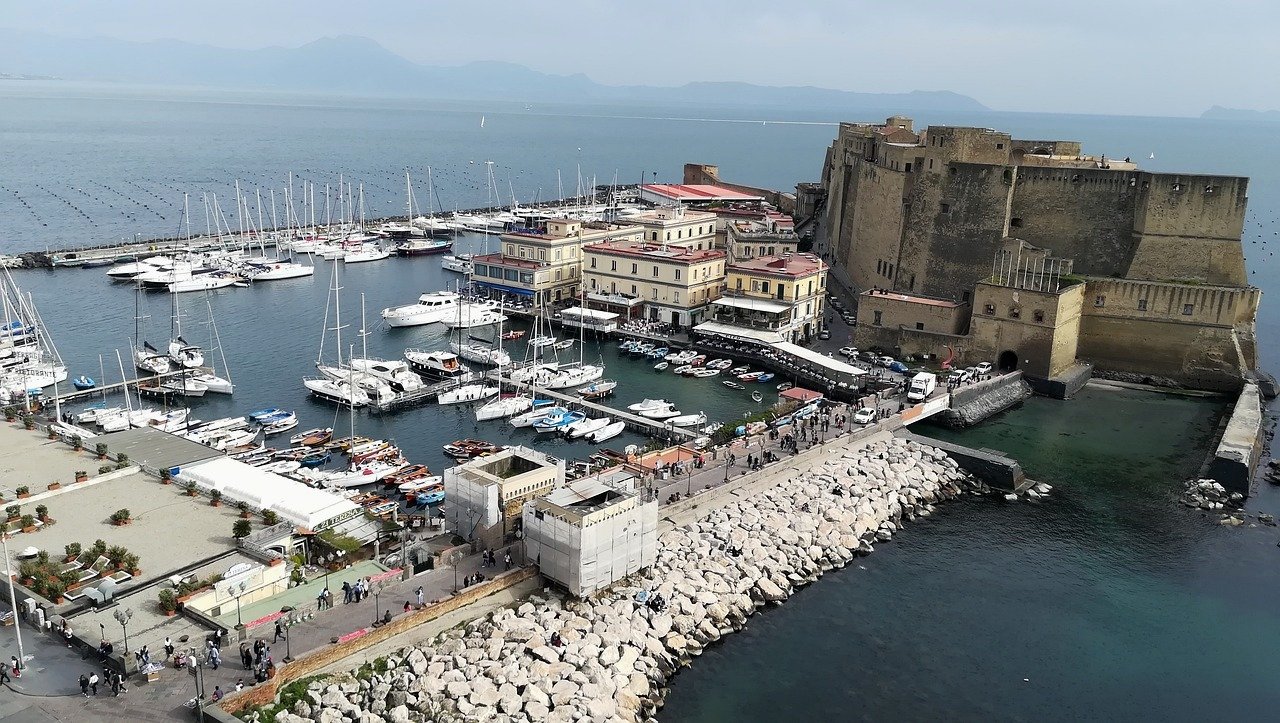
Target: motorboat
{"points": [[506, 406], [432, 308], [341, 391], [317, 458], [688, 420], [92, 413], [598, 389], [513, 335], [784, 386], [378, 390], [642, 350], [557, 422], [660, 414], [312, 437], [419, 484], [467, 393], [712, 428], [423, 247], [647, 404], [264, 414], [540, 341], [83, 382], [481, 354], [366, 473], [431, 497], [757, 397], [661, 366], [704, 372], [733, 384], [203, 282], [212, 382], [607, 432], [460, 263], [130, 270], [739, 370], [577, 430], [530, 418], [683, 357], [284, 466], [279, 270], [435, 365], [471, 315], [280, 425], [764, 378], [408, 474], [396, 374], [749, 376], [184, 355], [659, 353]]}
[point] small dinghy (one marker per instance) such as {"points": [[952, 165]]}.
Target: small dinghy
{"points": [[83, 382]]}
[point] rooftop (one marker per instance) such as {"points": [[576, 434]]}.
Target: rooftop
{"points": [[696, 192], [800, 394], [793, 265], [909, 298], [656, 252], [671, 215]]}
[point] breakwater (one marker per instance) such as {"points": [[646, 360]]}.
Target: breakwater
{"points": [[613, 656]]}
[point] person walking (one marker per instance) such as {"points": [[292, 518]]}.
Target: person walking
{"points": [[168, 647], [84, 685], [115, 687], [215, 658], [422, 598], [346, 592], [279, 632], [506, 558], [245, 656], [93, 683]]}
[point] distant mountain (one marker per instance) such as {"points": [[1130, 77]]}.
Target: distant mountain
{"points": [[1217, 112], [360, 66]]}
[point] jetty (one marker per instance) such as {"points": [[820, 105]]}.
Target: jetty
{"points": [[644, 425]]}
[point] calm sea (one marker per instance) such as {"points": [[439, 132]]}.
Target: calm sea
{"points": [[1110, 599]]}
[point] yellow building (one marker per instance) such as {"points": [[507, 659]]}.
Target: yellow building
{"points": [[783, 295], [545, 267], [677, 226], [675, 283]]}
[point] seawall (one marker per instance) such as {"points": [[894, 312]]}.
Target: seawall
{"points": [[989, 465], [976, 402], [1236, 458]]}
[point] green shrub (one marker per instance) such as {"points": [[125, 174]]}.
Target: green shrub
{"points": [[241, 528], [168, 600]]}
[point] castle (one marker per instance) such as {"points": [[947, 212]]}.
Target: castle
{"points": [[1028, 253]]}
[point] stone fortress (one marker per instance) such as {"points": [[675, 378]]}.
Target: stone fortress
{"points": [[1028, 253]]}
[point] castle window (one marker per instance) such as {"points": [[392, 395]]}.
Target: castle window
{"points": [[965, 297], [999, 146], [875, 318], [1038, 314], [1142, 304], [946, 208], [919, 326], [1015, 312], [1099, 301], [908, 168], [1188, 309], [1015, 222], [1008, 176], [930, 164], [989, 309]]}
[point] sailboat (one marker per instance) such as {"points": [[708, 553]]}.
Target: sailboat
{"points": [[375, 385], [574, 375], [508, 405], [33, 362], [471, 392], [342, 391], [145, 356], [490, 354], [209, 377], [415, 243]]}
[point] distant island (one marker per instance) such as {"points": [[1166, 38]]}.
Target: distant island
{"points": [[1217, 112], [360, 66]]}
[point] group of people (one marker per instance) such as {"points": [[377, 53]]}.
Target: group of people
{"points": [[354, 593], [489, 558], [258, 659]]}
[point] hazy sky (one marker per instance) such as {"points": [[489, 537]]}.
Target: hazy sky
{"points": [[1093, 56]]}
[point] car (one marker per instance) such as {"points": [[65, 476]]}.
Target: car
{"points": [[850, 319], [984, 367], [864, 416], [868, 356], [960, 375], [849, 351], [824, 334], [885, 361]]}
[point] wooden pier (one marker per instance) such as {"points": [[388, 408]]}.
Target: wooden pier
{"points": [[408, 400]]}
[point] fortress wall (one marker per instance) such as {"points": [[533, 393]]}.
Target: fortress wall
{"points": [[1188, 228], [1084, 215], [950, 250]]}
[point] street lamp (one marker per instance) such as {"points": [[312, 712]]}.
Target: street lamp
{"points": [[123, 616], [17, 621], [454, 558], [195, 662], [288, 636], [378, 587], [237, 591]]}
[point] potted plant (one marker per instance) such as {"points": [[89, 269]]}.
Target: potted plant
{"points": [[105, 469], [118, 518], [14, 511], [269, 517], [98, 550], [55, 485], [53, 431], [215, 498], [28, 523], [77, 443], [191, 488], [166, 476], [131, 564], [42, 513], [241, 528], [82, 475], [168, 602], [117, 553], [73, 551], [101, 449], [29, 421], [53, 590], [244, 509], [10, 414], [23, 492]]}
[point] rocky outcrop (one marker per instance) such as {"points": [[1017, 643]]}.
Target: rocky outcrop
{"points": [[990, 402], [609, 658]]}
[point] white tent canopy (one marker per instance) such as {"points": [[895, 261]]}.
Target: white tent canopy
{"points": [[759, 336], [831, 364], [295, 502]]}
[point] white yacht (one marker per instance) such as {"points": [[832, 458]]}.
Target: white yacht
{"points": [[202, 282], [459, 264], [212, 382], [431, 308], [280, 270], [397, 374], [472, 315], [467, 393], [436, 365], [366, 252], [337, 390], [648, 404], [577, 430], [184, 355], [575, 375], [481, 354], [504, 407], [132, 269]]}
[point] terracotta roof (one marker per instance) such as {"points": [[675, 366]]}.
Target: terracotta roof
{"points": [[909, 299], [654, 252], [788, 265]]}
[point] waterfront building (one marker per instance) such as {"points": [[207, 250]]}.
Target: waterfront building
{"points": [[486, 494], [545, 265], [697, 194], [781, 296], [764, 235], [675, 283], [677, 226], [588, 535], [938, 214]]}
